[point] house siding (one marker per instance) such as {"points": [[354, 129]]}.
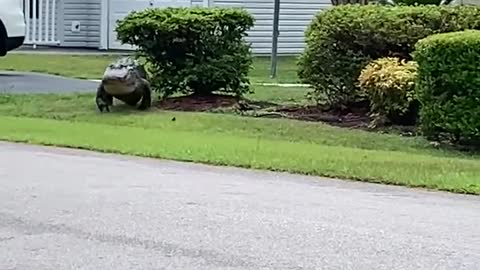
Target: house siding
{"points": [[88, 13], [466, 2], [197, 3], [295, 16]]}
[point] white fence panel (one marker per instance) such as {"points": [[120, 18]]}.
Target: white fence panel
{"points": [[41, 22]]}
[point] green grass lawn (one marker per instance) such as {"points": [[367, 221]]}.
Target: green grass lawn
{"points": [[274, 144], [93, 66]]}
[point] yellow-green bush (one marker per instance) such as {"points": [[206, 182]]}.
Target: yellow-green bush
{"points": [[389, 84]]}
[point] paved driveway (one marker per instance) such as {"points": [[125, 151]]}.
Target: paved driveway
{"points": [[65, 209], [26, 82]]}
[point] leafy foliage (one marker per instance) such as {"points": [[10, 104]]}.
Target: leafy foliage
{"points": [[449, 86], [389, 84], [192, 50], [341, 41]]}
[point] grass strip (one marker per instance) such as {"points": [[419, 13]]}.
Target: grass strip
{"points": [[453, 174], [93, 66]]}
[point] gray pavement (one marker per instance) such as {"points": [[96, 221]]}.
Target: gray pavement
{"points": [[28, 49], [68, 209], [30, 82]]}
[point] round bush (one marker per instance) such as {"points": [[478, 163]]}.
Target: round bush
{"points": [[389, 84], [448, 86], [192, 50], [344, 39]]}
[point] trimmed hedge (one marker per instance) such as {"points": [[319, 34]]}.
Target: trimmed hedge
{"points": [[192, 50], [448, 86], [340, 42], [389, 84]]}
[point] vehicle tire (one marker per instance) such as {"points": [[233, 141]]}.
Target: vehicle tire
{"points": [[3, 39]]}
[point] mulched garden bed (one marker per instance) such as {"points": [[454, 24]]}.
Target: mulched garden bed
{"points": [[356, 118], [197, 103], [353, 118]]}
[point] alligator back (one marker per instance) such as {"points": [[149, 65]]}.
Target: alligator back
{"points": [[122, 66]]}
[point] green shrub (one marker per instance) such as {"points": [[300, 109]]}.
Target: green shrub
{"points": [[342, 40], [448, 85], [192, 50], [389, 84]]}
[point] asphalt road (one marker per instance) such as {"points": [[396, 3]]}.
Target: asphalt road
{"points": [[28, 82], [65, 209]]}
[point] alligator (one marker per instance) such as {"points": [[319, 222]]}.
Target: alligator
{"points": [[126, 80]]}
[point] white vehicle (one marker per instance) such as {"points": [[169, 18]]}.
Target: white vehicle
{"points": [[12, 25]]}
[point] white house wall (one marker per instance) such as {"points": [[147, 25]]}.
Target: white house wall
{"points": [[466, 2], [295, 16], [88, 13], [198, 2]]}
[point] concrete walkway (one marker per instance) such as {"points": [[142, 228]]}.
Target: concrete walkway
{"points": [[26, 82], [67, 51]]}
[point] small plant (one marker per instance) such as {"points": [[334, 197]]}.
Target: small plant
{"points": [[192, 50], [448, 86], [389, 84]]}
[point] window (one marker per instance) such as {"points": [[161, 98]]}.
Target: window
{"points": [[30, 5]]}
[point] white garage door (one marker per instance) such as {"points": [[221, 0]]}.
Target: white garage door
{"points": [[118, 9]]}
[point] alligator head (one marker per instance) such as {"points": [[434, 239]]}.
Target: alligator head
{"points": [[122, 76]]}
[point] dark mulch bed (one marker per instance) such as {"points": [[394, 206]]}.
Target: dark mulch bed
{"points": [[355, 118], [197, 103]]}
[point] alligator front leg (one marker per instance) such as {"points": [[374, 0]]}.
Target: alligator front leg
{"points": [[103, 99], [146, 96]]}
